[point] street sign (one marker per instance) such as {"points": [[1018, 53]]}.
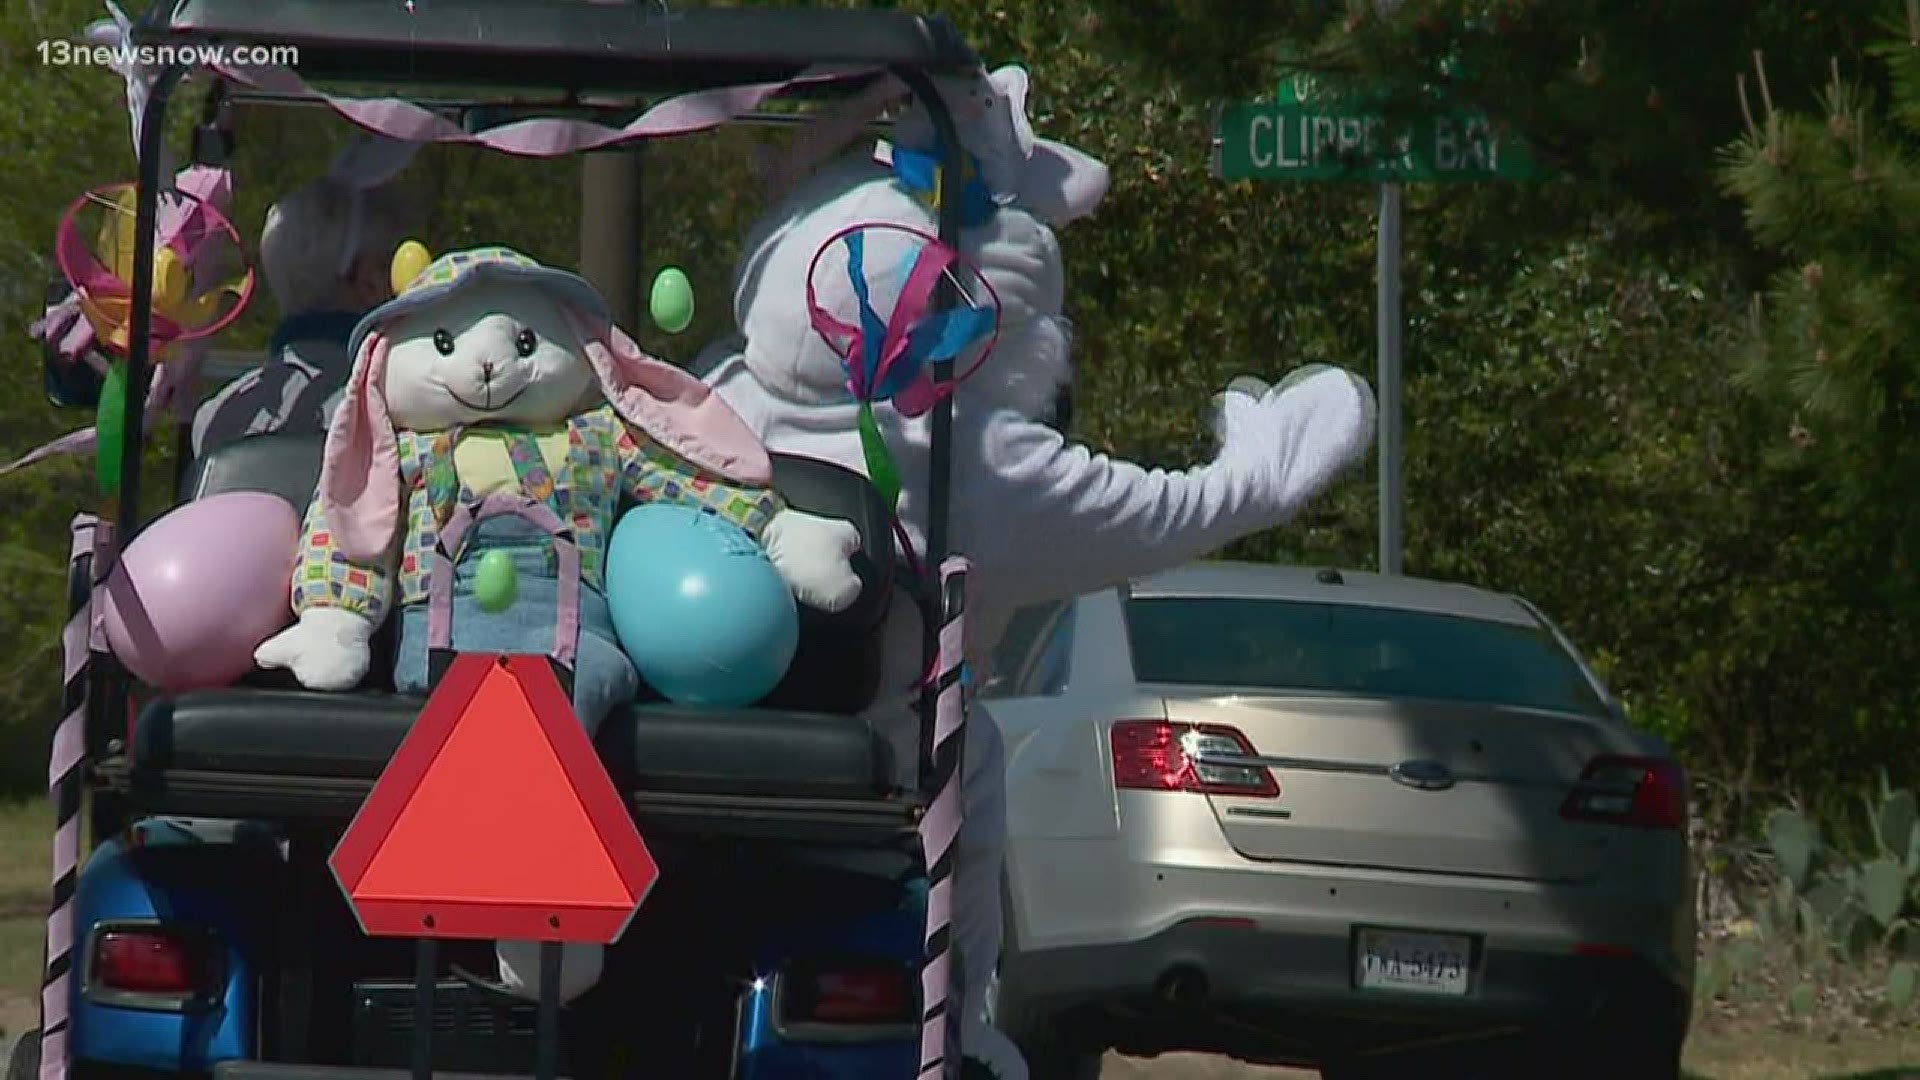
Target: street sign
{"points": [[1317, 142], [1309, 133], [495, 820]]}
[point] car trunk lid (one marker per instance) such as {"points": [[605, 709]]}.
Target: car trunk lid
{"points": [[1411, 785]]}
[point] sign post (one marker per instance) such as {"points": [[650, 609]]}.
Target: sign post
{"points": [[1309, 133], [1389, 331]]}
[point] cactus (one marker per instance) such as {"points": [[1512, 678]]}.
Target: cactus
{"points": [[1839, 911], [1795, 841], [1710, 980], [1885, 888], [1893, 824], [1801, 1000], [1900, 985]]}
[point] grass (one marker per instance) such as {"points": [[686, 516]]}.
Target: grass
{"points": [[1730, 1052], [24, 839]]}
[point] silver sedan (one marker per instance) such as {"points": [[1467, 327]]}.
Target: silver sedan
{"points": [[1382, 826]]}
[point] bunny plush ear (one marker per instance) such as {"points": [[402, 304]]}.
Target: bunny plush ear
{"points": [[675, 409], [360, 475]]}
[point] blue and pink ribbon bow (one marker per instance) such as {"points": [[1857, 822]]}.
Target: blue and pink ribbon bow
{"points": [[888, 359]]}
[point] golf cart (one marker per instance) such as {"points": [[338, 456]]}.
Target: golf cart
{"points": [[798, 927]]}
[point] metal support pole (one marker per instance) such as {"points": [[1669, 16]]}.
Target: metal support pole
{"points": [[426, 976], [546, 1061], [610, 231], [1390, 327]]}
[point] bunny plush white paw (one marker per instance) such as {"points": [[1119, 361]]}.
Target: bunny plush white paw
{"points": [[328, 649], [813, 554], [1296, 438]]}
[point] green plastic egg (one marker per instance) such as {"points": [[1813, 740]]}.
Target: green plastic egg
{"points": [[495, 582], [671, 302]]}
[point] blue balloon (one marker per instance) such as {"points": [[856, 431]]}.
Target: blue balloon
{"points": [[699, 609]]}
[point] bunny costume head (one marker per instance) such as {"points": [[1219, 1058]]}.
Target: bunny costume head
{"points": [[1018, 190], [445, 353]]}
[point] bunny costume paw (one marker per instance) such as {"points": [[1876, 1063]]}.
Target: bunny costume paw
{"points": [[1295, 438], [812, 553], [328, 649]]}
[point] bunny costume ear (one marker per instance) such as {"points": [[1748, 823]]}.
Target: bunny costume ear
{"points": [[677, 410], [365, 164], [1057, 183], [360, 474]]}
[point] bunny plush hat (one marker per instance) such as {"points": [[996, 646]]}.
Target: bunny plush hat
{"points": [[1041, 518]]}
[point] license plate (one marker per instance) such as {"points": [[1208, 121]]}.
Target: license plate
{"points": [[1412, 962]]}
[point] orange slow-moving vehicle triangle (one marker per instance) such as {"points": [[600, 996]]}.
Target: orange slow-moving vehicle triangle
{"points": [[523, 839], [495, 820]]}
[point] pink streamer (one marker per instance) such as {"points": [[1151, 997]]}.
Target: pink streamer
{"points": [[540, 137]]}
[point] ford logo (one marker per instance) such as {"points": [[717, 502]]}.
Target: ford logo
{"points": [[1422, 775]]}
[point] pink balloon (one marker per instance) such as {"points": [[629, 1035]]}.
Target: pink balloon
{"points": [[201, 587]]}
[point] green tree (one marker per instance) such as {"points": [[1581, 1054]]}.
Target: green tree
{"points": [[1833, 192]]}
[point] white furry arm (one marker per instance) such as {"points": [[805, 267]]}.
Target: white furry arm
{"points": [[814, 554], [1051, 519], [328, 649]]}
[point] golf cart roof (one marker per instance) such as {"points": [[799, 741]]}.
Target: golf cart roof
{"points": [[575, 44]]}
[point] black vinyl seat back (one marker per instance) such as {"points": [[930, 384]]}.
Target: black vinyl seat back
{"points": [[837, 667], [285, 465]]}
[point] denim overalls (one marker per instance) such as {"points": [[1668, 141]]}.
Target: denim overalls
{"points": [[552, 614]]}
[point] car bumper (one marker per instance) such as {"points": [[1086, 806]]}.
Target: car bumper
{"points": [[1170, 865], [1101, 925], [1291, 997]]}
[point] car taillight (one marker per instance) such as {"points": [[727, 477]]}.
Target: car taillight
{"points": [[153, 966], [1161, 755], [848, 997], [1644, 792]]}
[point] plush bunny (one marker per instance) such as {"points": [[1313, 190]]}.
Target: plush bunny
{"points": [[1041, 518], [488, 372]]}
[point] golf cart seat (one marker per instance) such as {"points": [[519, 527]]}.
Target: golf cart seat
{"points": [[806, 740]]}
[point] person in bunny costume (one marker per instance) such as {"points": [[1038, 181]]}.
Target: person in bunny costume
{"points": [[1040, 517], [489, 374]]}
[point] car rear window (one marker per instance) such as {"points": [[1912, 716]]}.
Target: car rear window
{"points": [[1351, 649]]}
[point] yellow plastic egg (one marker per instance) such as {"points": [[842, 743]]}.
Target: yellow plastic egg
{"points": [[409, 259]]}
